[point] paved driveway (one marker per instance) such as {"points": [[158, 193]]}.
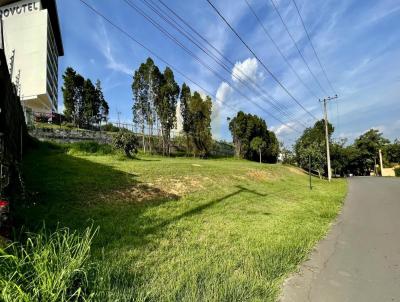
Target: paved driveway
{"points": [[359, 261]]}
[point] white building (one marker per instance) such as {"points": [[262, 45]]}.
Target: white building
{"points": [[32, 36]]}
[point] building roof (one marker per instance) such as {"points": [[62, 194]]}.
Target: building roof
{"points": [[51, 7]]}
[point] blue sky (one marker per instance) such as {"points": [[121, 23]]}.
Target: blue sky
{"points": [[358, 43]]}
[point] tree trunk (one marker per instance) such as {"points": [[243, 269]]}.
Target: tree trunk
{"points": [[143, 140], [150, 138], [259, 151], [187, 145]]}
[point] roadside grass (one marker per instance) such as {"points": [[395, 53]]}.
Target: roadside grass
{"points": [[183, 229]]}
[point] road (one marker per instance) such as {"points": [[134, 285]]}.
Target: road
{"points": [[359, 260]]}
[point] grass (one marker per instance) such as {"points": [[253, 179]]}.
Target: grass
{"points": [[46, 268], [183, 229]]}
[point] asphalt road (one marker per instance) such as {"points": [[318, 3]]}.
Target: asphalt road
{"points": [[359, 260]]}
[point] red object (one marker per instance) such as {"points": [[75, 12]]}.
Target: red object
{"points": [[3, 203]]}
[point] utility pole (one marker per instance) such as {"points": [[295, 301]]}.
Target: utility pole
{"points": [[328, 155]]}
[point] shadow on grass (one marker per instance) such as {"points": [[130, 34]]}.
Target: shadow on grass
{"points": [[74, 192], [197, 210], [66, 190]]}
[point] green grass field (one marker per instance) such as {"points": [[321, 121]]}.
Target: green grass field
{"points": [[184, 229]]}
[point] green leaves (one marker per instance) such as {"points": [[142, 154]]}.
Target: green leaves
{"points": [[244, 128], [126, 141], [84, 103]]}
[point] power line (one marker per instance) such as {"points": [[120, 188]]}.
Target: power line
{"points": [[157, 9], [266, 31], [124, 32], [297, 47], [212, 46], [258, 59], [312, 46], [180, 44]]}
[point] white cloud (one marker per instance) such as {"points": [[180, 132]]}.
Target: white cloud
{"points": [[283, 129], [104, 44], [247, 69], [224, 92]]}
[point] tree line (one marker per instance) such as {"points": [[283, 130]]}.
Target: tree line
{"points": [[359, 158], [155, 99], [156, 96], [84, 102]]}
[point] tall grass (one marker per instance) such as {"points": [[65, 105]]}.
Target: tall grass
{"points": [[47, 267]]}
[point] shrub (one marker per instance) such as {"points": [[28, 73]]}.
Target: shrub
{"points": [[46, 267], [90, 148], [68, 125], [397, 171], [109, 128], [127, 142]]}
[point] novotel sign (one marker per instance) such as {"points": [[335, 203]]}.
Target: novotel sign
{"points": [[19, 8]]}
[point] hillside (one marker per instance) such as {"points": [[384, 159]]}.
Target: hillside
{"points": [[184, 229]]}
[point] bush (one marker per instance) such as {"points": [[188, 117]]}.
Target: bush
{"points": [[46, 268], [68, 125], [397, 172], [90, 148], [127, 142], [109, 128]]}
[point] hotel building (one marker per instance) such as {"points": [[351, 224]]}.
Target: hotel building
{"points": [[33, 44]]}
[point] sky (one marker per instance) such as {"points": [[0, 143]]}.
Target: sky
{"points": [[279, 78]]}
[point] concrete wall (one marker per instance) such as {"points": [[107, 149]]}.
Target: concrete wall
{"points": [[388, 172], [70, 136]]}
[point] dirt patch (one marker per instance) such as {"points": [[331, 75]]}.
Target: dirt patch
{"points": [[258, 175], [296, 170], [182, 186], [140, 193], [159, 189]]}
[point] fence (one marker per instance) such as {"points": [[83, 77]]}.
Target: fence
{"points": [[52, 120]]}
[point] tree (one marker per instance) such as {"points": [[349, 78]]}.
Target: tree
{"points": [[69, 93], [244, 127], [84, 103], [153, 77], [200, 130], [392, 152], [287, 155], [166, 107], [187, 125], [78, 114], [126, 141], [258, 145], [146, 89], [91, 104], [272, 149], [141, 105], [312, 143], [368, 144], [104, 109]]}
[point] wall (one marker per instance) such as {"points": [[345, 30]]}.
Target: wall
{"points": [[13, 130], [70, 136], [388, 172]]}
